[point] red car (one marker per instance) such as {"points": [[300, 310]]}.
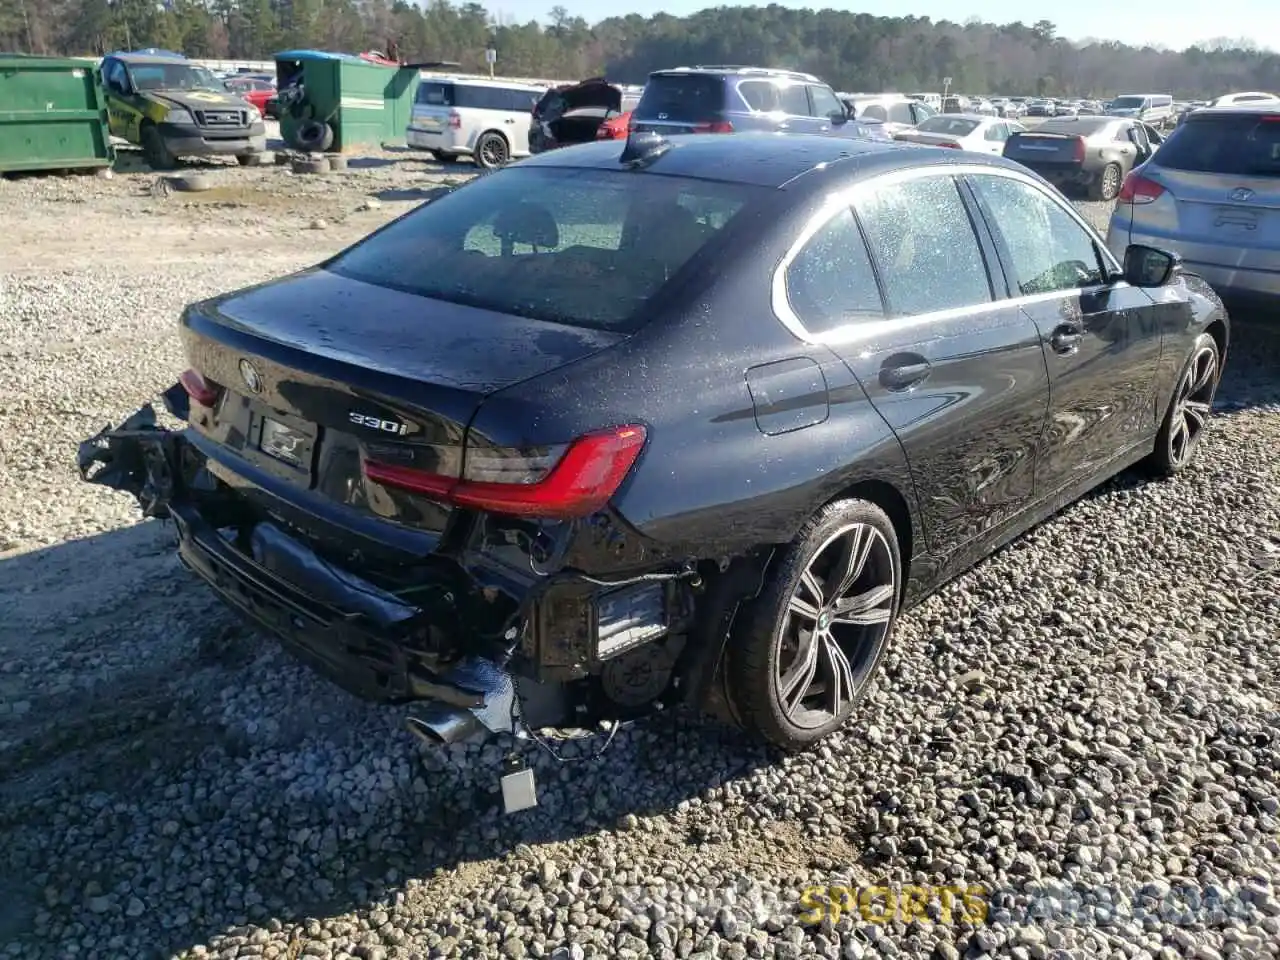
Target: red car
{"points": [[581, 112], [253, 89]]}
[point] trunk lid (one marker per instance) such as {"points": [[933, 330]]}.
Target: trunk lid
{"points": [[320, 372], [595, 93], [1045, 149]]}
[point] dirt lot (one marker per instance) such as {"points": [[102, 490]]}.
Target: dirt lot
{"points": [[1095, 709]]}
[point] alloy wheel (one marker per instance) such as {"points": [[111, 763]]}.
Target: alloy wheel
{"points": [[493, 152], [1191, 409], [1110, 181], [836, 622]]}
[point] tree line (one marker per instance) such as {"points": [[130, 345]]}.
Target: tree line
{"points": [[852, 51]]}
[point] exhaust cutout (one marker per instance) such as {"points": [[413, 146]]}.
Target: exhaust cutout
{"points": [[439, 727]]}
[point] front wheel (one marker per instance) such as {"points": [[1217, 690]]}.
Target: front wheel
{"points": [[491, 151], [1188, 414], [156, 151], [810, 645]]}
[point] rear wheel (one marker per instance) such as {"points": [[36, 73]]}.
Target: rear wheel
{"points": [[1107, 187], [1188, 414], [810, 645], [492, 151], [155, 150]]}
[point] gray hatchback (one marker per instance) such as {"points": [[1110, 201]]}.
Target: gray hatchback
{"points": [[736, 99], [1211, 194]]}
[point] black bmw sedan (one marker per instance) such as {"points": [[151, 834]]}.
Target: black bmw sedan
{"points": [[658, 422]]}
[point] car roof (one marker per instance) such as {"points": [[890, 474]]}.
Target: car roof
{"points": [[1234, 109], [759, 159], [735, 70], [978, 117], [149, 58]]}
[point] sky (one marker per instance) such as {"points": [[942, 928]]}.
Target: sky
{"points": [[1172, 23]]}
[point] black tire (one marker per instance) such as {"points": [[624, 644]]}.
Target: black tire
{"points": [[441, 157], [781, 697], [492, 151], [1189, 408], [312, 136], [1107, 187], [155, 151]]}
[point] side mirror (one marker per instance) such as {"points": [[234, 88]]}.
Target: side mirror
{"points": [[1148, 267], [838, 116]]}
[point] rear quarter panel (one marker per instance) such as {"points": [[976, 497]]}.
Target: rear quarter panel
{"points": [[710, 481]]}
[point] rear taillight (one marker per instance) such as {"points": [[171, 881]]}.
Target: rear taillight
{"points": [[1079, 154], [561, 483], [719, 126], [1137, 189], [202, 391], [455, 120]]}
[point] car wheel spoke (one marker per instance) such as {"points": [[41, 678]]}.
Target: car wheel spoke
{"points": [[842, 688], [802, 607], [1204, 371], [794, 685], [1197, 414], [813, 585], [853, 559], [866, 609]]}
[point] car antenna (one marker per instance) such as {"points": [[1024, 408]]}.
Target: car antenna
{"points": [[643, 148]]}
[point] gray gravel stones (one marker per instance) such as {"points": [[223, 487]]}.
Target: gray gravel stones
{"points": [[1086, 726]]}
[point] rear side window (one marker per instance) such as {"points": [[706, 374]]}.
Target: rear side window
{"points": [[435, 94], [873, 111], [581, 247], [761, 95], [924, 245], [682, 97], [1240, 145], [493, 98], [830, 282]]}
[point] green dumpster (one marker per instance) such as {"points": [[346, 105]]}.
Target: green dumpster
{"points": [[338, 102], [52, 114]]}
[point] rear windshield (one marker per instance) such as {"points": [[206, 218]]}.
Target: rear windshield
{"points": [[682, 97], [1127, 103], [588, 248], [953, 126], [1074, 128], [1243, 145]]}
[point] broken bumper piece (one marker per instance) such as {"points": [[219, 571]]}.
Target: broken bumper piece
{"points": [[355, 633]]}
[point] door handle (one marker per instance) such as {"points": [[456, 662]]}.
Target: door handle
{"points": [[896, 375], [1066, 338], [508, 120]]}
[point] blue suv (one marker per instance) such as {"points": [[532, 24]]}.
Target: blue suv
{"points": [[733, 99]]}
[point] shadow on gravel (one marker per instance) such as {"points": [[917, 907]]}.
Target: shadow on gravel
{"points": [[149, 742], [1251, 377]]}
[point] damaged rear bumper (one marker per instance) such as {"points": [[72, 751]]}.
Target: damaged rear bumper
{"points": [[363, 638]]}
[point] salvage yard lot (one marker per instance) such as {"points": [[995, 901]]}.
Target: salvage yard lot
{"points": [[1098, 706]]}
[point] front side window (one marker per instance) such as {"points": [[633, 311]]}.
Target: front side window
{"points": [[1048, 250], [924, 244], [582, 247], [825, 103], [830, 282], [997, 133]]}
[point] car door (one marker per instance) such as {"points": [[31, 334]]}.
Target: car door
{"points": [[995, 137], [115, 85], [957, 375], [825, 108], [1100, 336], [793, 106]]}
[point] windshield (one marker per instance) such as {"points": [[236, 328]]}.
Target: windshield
{"points": [[952, 126], [1242, 144], [173, 76], [584, 247], [1127, 103]]}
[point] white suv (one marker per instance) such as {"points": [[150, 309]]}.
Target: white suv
{"points": [[487, 120]]}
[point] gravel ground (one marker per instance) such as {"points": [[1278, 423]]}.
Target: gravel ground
{"points": [[1087, 725]]}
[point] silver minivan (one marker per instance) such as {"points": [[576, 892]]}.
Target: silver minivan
{"points": [[1211, 194], [1153, 108]]}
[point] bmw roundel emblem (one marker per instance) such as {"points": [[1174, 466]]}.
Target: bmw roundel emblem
{"points": [[249, 373], [1241, 194]]}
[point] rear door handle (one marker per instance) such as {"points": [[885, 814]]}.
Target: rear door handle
{"points": [[900, 374], [1066, 338]]}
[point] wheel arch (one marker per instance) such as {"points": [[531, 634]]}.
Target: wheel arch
{"points": [[1217, 328], [897, 507]]}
